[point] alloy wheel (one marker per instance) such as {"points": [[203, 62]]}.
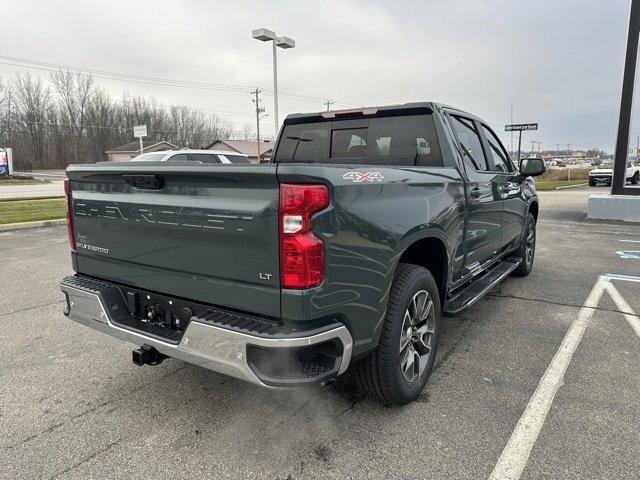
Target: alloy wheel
{"points": [[416, 338]]}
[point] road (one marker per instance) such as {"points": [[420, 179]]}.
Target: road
{"points": [[51, 189], [55, 187], [74, 406]]}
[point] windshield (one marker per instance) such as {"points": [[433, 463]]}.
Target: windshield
{"points": [[606, 165], [149, 157]]}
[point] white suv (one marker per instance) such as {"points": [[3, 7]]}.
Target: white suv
{"points": [[186, 155]]}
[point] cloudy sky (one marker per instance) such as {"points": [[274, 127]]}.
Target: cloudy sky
{"points": [[559, 61]]}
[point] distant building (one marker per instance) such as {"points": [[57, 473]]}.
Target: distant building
{"points": [[129, 150], [247, 147]]}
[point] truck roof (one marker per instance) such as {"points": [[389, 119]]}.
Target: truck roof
{"points": [[383, 110]]}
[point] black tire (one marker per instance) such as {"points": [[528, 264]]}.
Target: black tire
{"points": [[528, 241], [383, 375], [592, 183], [635, 178]]}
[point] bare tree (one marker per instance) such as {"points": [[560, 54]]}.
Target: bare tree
{"points": [[247, 132], [75, 93], [82, 121], [32, 104]]}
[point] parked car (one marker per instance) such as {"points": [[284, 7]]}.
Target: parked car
{"points": [[343, 254], [187, 155], [604, 173]]}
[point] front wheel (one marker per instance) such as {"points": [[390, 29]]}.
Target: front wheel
{"points": [[397, 371], [635, 178], [527, 250], [592, 182]]}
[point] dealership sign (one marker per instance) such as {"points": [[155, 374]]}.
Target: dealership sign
{"points": [[520, 127]]}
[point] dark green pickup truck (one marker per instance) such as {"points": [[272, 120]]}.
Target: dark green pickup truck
{"points": [[342, 254]]}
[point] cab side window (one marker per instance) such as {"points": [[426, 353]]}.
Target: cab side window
{"points": [[472, 145], [180, 157], [500, 158]]}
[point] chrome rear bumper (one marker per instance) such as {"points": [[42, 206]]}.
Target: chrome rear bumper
{"points": [[208, 346]]}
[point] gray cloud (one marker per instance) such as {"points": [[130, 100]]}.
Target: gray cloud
{"points": [[560, 62]]}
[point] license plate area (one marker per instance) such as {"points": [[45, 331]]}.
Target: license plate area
{"points": [[155, 315]]}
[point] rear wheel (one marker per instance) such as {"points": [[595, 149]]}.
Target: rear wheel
{"points": [[592, 182], [397, 371], [527, 249]]}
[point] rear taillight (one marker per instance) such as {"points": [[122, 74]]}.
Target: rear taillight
{"points": [[301, 252], [67, 195]]}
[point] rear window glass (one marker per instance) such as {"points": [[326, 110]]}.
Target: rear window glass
{"points": [[399, 140]]}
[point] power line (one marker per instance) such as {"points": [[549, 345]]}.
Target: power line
{"points": [[158, 81]]}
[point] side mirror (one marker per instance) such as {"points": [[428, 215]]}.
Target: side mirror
{"points": [[532, 167]]}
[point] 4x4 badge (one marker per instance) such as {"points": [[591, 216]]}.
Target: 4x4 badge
{"points": [[359, 177]]}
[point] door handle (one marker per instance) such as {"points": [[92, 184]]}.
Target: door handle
{"points": [[475, 192]]}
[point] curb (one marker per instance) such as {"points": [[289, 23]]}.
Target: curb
{"points": [[37, 224], [572, 186]]}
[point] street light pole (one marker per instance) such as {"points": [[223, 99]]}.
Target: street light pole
{"points": [[275, 85], [265, 35]]}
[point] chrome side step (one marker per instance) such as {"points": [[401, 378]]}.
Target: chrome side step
{"points": [[479, 287]]}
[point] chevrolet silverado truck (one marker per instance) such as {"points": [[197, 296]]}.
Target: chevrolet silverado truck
{"points": [[342, 255], [604, 174]]}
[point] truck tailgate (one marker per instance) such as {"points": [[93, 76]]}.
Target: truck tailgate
{"points": [[204, 233]]}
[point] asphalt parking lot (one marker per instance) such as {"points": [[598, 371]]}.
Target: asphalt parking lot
{"points": [[72, 405]]}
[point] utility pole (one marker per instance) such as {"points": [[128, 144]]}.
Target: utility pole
{"points": [[511, 124], [558, 148], [328, 103], [259, 110], [533, 147]]}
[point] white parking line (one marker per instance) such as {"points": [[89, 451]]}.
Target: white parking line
{"points": [[623, 306], [516, 453], [626, 278]]}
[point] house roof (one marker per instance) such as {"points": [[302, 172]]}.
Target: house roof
{"points": [[133, 147], [248, 147]]}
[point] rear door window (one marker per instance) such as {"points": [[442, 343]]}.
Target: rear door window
{"points": [[234, 158], [471, 144], [397, 140], [181, 157], [203, 158]]}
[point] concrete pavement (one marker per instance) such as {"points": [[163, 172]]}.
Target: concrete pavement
{"points": [[74, 406]]}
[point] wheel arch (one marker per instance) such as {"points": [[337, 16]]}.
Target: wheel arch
{"points": [[431, 253]]}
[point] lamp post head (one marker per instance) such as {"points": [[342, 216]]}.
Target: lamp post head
{"points": [[285, 42], [263, 34]]}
